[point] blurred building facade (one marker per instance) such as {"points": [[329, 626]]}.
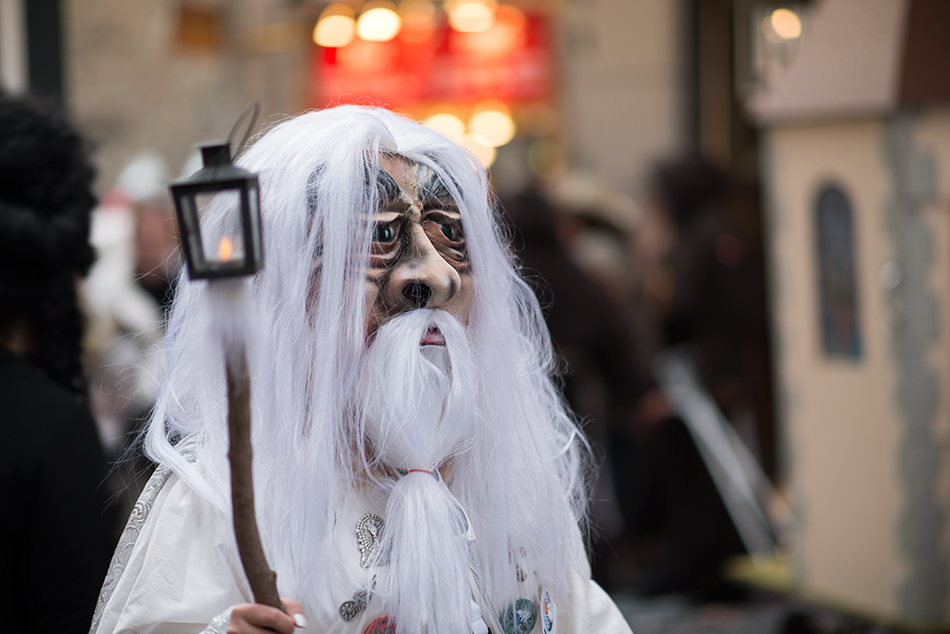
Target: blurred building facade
{"points": [[161, 75], [856, 131]]}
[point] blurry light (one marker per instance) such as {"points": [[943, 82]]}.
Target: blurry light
{"points": [[336, 26], [786, 24], [471, 16], [334, 31], [225, 249], [492, 121], [447, 124], [482, 149], [378, 22]]}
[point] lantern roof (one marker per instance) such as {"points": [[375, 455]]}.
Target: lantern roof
{"points": [[217, 166]]}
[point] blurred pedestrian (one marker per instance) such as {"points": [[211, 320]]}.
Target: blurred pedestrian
{"points": [[55, 538], [603, 376], [126, 293], [709, 309], [136, 238], [713, 307]]}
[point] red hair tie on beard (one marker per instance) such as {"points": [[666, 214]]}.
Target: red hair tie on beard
{"points": [[434, 473]]}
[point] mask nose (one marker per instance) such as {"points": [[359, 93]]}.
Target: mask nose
{"points": [[417, 294], [424, 279]]}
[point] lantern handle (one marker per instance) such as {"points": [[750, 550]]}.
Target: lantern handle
{"points": [[254, 105]]}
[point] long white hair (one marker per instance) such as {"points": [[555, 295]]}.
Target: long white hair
{"points": [[521, 478]]}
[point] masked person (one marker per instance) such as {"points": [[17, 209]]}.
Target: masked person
{"points": [[415, 468]]}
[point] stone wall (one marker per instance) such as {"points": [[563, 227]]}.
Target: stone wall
{"points": [[132, 87], [620, 83]]}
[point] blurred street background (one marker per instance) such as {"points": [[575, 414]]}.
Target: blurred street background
{"points": [[736, 213]]}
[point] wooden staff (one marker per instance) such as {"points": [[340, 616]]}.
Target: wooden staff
{"points": [[219, 174], [262, 579]]}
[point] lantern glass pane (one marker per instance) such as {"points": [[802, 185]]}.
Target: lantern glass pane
{"points": [[222, 239]]}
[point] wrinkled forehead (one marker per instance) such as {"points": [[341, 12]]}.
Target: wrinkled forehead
{"points": [[400, 180]]}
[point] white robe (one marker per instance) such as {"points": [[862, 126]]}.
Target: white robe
{"points": [[176, 571]]}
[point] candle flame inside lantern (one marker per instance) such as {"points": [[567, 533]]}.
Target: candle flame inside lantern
{"points": [[225, 248]]}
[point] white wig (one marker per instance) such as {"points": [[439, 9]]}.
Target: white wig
{"points": [[521, 480]]}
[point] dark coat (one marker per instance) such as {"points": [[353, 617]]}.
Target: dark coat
{"points": [[55, 531]]}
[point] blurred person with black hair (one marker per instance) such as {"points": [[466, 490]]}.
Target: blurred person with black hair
{"points": [[708, 307], [602, 374], [55, 529]]}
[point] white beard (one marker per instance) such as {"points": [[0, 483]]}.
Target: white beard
{"points": [[416, 403], [415, 408]]}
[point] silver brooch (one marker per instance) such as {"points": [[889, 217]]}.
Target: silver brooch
{"points": [[352, 608], [349, 610], [369, 531]]}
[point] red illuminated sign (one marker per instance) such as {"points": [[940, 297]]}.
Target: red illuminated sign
{"points": [[511, 61]]}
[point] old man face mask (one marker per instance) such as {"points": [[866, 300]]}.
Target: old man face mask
{"points": [[419, 256]]}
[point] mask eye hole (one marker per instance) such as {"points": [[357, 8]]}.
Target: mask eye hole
{"points": [[450, 230], [383, 233], [445, 229]]}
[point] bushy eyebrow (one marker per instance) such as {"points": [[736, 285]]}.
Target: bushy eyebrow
{"points": [[435, 193], [387, 188]]}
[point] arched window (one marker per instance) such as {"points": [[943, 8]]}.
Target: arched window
{"points": [[837, 274]]}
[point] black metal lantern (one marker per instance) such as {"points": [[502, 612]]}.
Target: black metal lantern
{"points": [[218, 210]]}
